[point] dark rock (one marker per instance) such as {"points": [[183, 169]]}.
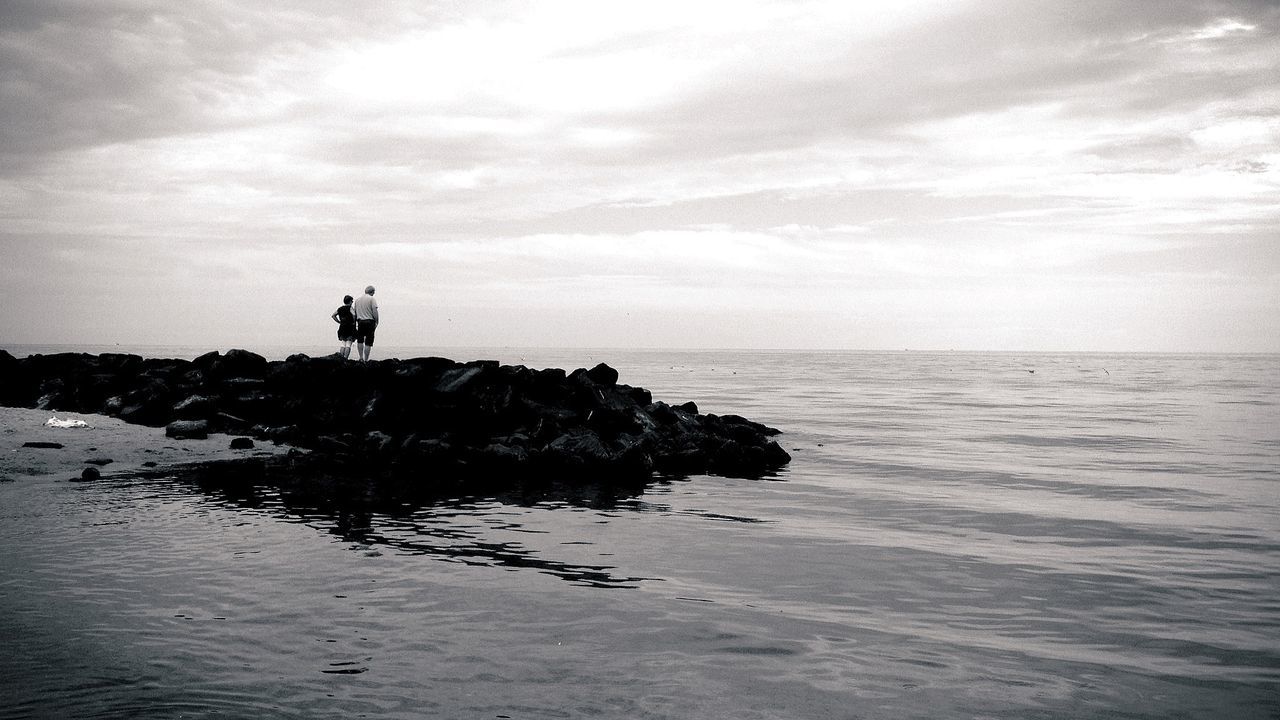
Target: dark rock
{"points": [[242, 363], [90, 474], [99, 461], [187, 429], [741, 422], [610, 422], [377, 443], [278, 433], [603, 375], [150, 402], [230, 423], [424, 419], [195, 407], [501, 455], [53, 400], [333, 445], [453, 381], [208, 360], [43, 445], [633, 456], [578, 448], [775, 456], [120, 362], [241, 443], [378, 409], [639, 396], [662, 413], [162, 369], [431, 453], [551, 377]]}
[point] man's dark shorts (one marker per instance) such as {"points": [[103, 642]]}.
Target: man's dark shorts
{"points": [[364, 331]]}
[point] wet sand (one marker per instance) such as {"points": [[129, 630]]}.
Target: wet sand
{"points": [[130, 448]]}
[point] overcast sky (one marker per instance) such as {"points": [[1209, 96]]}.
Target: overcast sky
{"points": [[1023, 175]]}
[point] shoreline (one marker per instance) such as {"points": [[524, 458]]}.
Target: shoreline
{"points": [[130, 448]]}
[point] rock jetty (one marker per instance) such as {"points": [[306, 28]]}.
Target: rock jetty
{"points": [[422, 417]]}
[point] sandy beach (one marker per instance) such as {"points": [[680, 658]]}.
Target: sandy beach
{"points": [[129, 448]]}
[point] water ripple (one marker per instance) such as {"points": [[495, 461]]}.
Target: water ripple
{"points": [[956, 537]]}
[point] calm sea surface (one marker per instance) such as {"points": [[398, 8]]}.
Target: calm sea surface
{"points": [[956, 537]]}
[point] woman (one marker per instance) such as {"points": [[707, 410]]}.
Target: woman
{"points": [[346, 326]]}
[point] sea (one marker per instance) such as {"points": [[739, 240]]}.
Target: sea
{"points": [[958, 535]]}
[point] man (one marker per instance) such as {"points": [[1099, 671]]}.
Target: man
{"points": [[366, 310]]}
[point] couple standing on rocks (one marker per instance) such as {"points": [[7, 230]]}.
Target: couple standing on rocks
{"points": [[356, 322]]}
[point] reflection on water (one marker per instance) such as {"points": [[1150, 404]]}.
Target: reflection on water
{"points": [[374, 512]]}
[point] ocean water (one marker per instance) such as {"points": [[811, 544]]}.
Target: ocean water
{"points": [[959, 535]]}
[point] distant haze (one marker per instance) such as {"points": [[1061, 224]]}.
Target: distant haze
{"points": [[1027, 174]]}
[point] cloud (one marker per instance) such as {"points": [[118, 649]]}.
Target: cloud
{"points": [[811, 157]]}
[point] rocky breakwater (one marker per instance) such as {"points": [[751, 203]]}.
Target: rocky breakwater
{"points": [[427, 418]]}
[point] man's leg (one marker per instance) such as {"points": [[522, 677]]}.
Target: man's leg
{"points": [[366, 332]]}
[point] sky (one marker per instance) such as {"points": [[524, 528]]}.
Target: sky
{"points": [[1025, 175]]}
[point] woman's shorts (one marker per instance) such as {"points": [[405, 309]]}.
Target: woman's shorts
{"points": [[346, 333]]}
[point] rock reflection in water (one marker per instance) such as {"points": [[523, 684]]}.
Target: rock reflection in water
{"points": [[408, 518]]}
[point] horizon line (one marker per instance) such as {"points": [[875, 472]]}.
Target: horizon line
{"points": [[388, 348]]}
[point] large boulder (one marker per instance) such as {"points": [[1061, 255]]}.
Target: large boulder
{"points": [[603, 375], [241, 364]]}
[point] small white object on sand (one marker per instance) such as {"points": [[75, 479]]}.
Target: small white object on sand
{"points": [[68, 423], [132, 447]]}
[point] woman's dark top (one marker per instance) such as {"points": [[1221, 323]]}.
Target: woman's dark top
{"points": [[346, 323]]}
